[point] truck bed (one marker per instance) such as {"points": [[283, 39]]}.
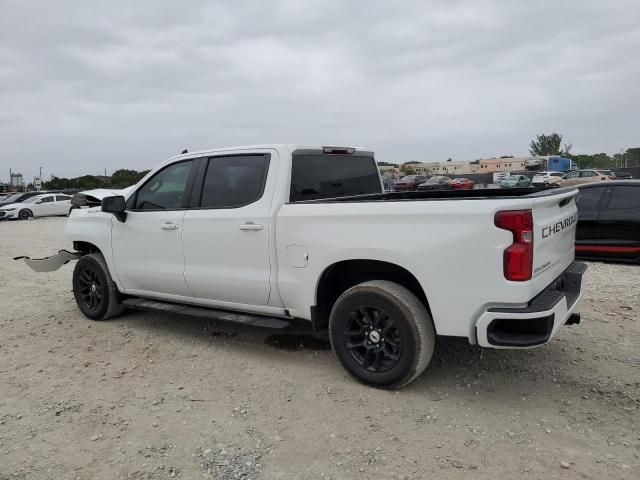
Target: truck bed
{"points": [[480, 194]]}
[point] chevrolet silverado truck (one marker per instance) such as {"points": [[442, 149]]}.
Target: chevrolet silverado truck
{"points": [[277, 234]]}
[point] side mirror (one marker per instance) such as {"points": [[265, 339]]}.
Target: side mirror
{"points": [[115, 205]]}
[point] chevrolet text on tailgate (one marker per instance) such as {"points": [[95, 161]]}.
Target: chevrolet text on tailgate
{"points": [[272, 234]]}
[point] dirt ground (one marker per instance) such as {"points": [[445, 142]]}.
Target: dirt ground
{"points": [[151, 396]]}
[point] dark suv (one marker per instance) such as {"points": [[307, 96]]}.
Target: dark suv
{"points": [[609, 221]]}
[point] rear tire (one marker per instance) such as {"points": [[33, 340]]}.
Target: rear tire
{"points": [[25, 214], [94, 290], [382, 334]]}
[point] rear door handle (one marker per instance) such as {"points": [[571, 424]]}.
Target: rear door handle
{"points": [[251, 226], [169, 226]]}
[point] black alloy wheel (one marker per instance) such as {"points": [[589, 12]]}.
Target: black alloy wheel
{"points": [[382, 333], [24, 214], [375, 342], [94, 290], [91, 289]]}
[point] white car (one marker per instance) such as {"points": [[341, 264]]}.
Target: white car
{"points": [[542, 178], [274, 235], [45, 205]]}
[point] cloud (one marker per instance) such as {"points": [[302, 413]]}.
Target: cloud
{"points": [[91, 85]]}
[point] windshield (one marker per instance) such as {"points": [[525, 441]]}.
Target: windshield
{"points": [[12, 198], [408, 178], [32, 199]]}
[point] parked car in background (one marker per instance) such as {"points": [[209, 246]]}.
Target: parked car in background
{"points": [[515, 181], [437, 182], [47, 205], [18, 197], [609, 221], [621, 175], [409, 183], [462, 184], [579, 177], [534, 163], [542, 178]]}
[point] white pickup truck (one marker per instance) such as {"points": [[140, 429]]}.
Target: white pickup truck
{"points": [[268, 235]]}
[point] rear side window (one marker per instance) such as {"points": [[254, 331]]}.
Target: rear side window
{"points": [[233, 182], [320, 175], [625, 197], [590, 198]]}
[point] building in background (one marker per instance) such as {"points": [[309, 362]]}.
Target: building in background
{"points": [[16, 182], [511, 164], [444, 168]]}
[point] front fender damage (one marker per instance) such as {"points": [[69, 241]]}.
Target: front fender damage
{"points": [[52, 263]]}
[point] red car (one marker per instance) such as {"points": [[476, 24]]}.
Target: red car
{"points": [[462, 184], [409, 183]]}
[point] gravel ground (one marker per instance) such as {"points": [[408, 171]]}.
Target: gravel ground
{"points": [[151, 396]]}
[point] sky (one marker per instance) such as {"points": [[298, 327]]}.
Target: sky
{"points": [[92, 85]]}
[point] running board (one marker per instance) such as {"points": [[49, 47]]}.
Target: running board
{"points": [[209, 313]]}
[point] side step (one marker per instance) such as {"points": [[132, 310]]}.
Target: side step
{"points": [[209, 313]]}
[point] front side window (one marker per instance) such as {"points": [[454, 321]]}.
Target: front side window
{"points": [[235, 181], [590, 198], [45, 200], [316, 176], [62, 198], [571, 175], [588, 173], [166, 189]]}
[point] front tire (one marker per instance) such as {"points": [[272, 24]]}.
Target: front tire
{"points": [[25, 214], [94, 290], [382, 334]]}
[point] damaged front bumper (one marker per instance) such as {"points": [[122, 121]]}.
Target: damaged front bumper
{"points": [[52, 263]]}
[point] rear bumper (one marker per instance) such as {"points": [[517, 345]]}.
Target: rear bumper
{"points": [[538, 321]]}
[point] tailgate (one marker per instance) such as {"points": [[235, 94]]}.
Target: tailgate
{"points": [[555, 218]]}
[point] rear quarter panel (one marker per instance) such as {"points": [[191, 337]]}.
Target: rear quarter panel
{"points": [[452, 247]]}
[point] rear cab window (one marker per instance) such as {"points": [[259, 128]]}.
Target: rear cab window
{"points": [[316, 175]]}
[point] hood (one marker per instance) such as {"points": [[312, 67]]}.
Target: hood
{"points": [[11, 205], [93, 198]]}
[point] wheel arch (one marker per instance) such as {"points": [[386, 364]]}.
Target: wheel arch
{"points": [[342, 275], [85, 247]]}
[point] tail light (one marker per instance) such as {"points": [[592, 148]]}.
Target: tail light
{"points": [[518, 257]]}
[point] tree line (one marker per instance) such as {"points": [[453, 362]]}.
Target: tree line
{"points": [[120, 179], [544, 145]]}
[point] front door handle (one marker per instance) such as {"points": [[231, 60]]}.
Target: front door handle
{"points": [[251, 226], [169, 226]]}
